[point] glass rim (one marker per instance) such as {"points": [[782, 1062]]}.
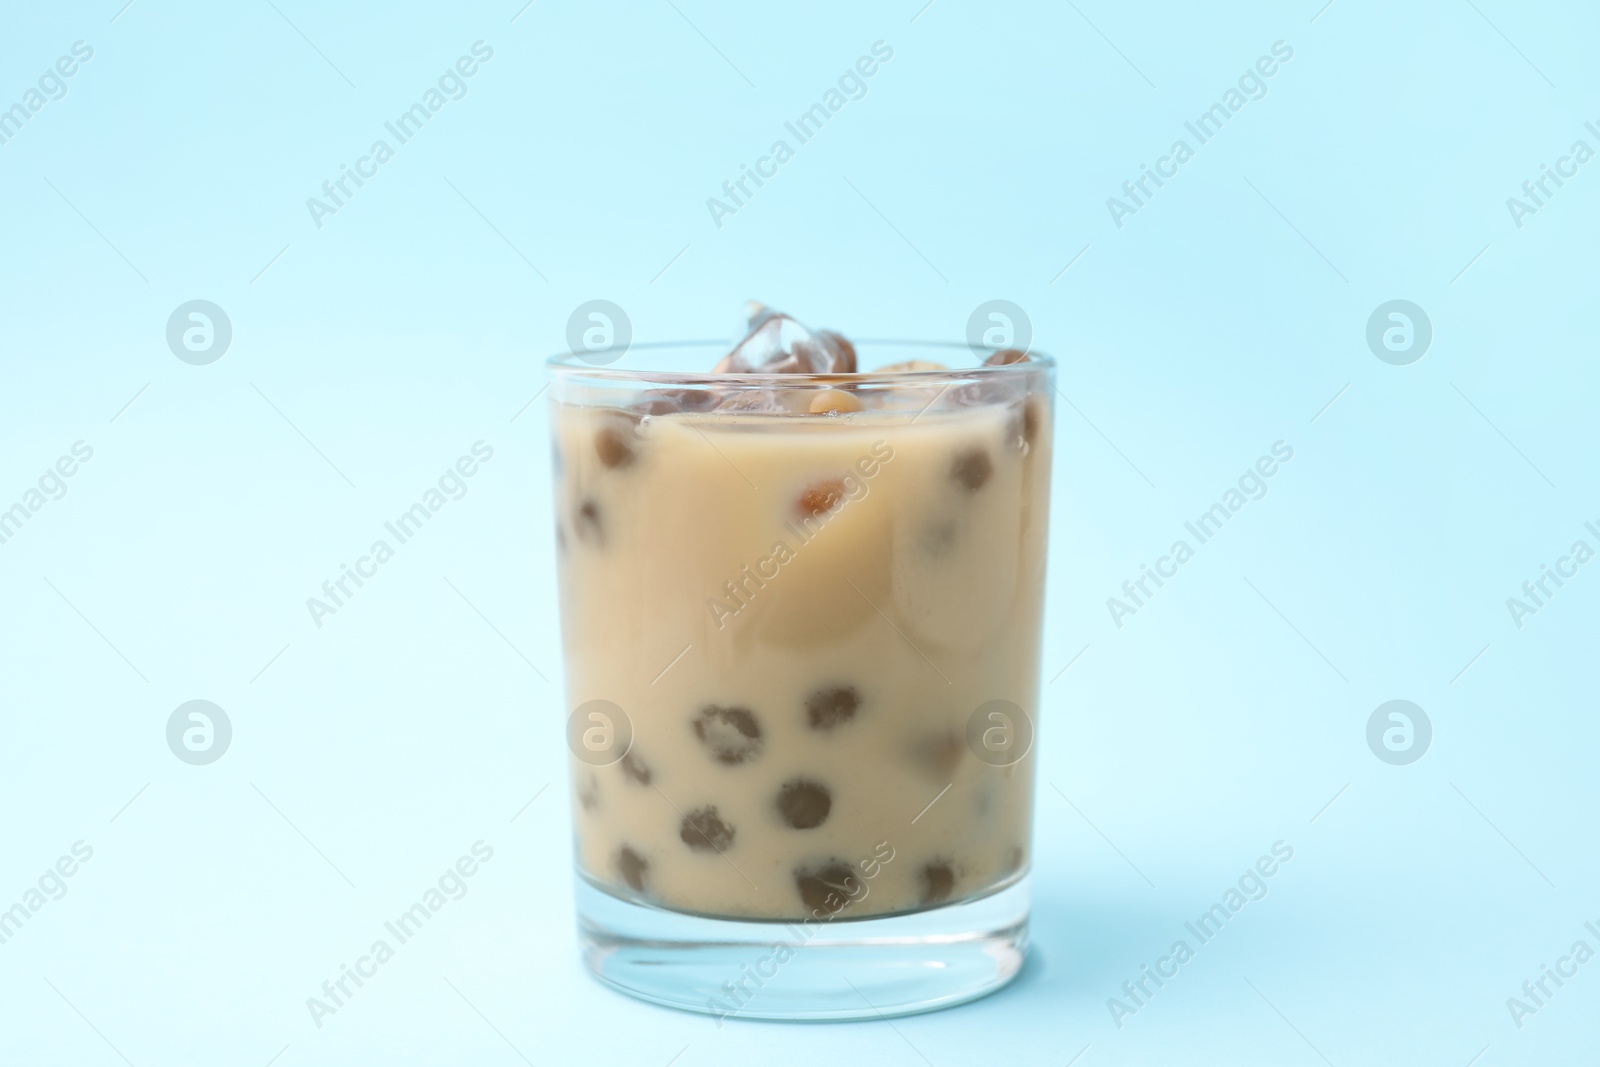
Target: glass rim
{"points": [[569, 364]]}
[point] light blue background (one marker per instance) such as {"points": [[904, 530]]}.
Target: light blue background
{"points": [[1224, 316]]}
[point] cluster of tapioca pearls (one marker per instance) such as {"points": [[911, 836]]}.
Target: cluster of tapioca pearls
{"points": [[732, 736]]}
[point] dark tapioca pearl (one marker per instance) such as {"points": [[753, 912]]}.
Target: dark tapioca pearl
{"points": [[587, 523], [971, 468], [828, 887], [820, 498], [635, 768], [704, 831], [633, 867], [827, 708], [804, 804], [589, 794], [937, 880], [732, 734], [614, 445], [1006, 356]]}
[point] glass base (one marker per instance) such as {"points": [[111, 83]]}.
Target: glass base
{"points": [[844, 969]]}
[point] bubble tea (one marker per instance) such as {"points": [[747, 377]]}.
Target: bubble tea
{"points": [[810, 597]]}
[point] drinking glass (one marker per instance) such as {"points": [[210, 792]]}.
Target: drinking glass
{"points": [[801, 620]]}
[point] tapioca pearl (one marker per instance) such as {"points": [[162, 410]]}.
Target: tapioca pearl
{"points": [[833, 401], [633, 868], [732, 734], [827, 887], [804, 804], [588, 524], [635, 768], [832, 706], [971, 468], [614, 445], [937, 879], [589, 793], [820, 498], [704, 831]]}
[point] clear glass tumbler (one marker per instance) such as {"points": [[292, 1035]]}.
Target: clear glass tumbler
{"points": [[801, 619]]}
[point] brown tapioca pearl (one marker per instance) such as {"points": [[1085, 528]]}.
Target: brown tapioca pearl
{"points": [[1006, 356], [704, 831], [732, 734], [828, 887], [635, 768], [827, 708], [820, 498], [971, 468], [589, 793], [937, 880], [829, 401], [587, 523], [614, 445], [804, 804], [632, 867]]}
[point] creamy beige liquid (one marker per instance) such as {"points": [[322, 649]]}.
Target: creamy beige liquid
{"points": [[828, 667]]}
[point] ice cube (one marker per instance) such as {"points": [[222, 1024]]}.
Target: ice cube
{"points": [[777, 344], [757, 401], [774, 343], [842, 351], [673, 401]]}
